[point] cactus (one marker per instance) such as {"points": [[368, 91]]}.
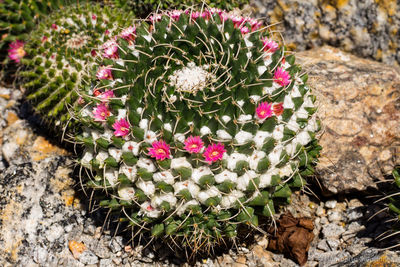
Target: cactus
{"points": [[197, 124], [142, 8], [60, 52], [19, 17], [394, 205]]}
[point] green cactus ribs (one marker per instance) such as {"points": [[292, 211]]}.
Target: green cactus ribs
{"points": [[60, 53], [18, 18], [198, 124]]}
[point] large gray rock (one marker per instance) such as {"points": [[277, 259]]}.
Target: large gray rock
{"points": [[359, 107], [368, 28]]}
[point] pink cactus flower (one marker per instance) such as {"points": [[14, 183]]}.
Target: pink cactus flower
{"points": [[264, 110], [54, 26], [101, 112], [129, 33], [94, 17], [110, 49], [44, 39], [121, 127], [107, 32], [278, 109], [195, 15], [159, 150], [205, 14], [269, 45], [214, 153], [281, 77], [175, 14], [107, 94], [193, 144], [93, 53], [104, 73], [244, 30], [16, 51]]}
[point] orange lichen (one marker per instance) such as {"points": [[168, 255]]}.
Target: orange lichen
{"points": [[76, 248], [381, 262], [42, 149]]}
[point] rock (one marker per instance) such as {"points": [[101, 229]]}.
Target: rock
{"points": [[330, 204], [361, 136], [88, 257], [353, 214], [372, 257], [367, 28], [331, 258], [332, 230], [106, 263], [335, 216]]}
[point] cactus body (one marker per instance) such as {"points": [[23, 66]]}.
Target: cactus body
{"points": [[19, 17], [208, 123], [60, 52]]}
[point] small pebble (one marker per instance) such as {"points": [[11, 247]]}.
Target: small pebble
{"points": [[331, 204]]}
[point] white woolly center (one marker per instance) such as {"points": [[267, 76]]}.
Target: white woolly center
{"points": [[191, 78]]}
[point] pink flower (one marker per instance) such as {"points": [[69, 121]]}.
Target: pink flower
{"points": [[269, 45], [54, 26], [94, 17], [281, 77], [264, 110], [129, 33], [107, 94], [93, 53], [107, 32], [110, 49], [195, 15], [205, 14], [44, 39], [175, 14], [16, 51], [121, 127], [101, 112], [104, 73], [214, 152], [244, 30], [160, 150], [193, 144], [278, 109]]}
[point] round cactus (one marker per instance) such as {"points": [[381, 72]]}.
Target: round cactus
{"points": [[196, 124], [19, 17], [61, 51]]}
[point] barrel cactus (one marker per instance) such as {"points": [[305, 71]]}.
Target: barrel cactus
{"points": [[19, 17], [60, 53], [196, 125]]}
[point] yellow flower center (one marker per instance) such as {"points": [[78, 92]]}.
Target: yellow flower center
{"points": [[161, 151], [215, 153], [21, 52]]}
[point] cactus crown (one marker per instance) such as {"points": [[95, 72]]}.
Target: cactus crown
{"points": [[196, 123], [60, 52]]}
